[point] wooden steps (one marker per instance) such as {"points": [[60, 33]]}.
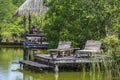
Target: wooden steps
{"points": [[35, 64]]}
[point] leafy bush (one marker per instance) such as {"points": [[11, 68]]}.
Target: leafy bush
{"points": [[110, 42]]}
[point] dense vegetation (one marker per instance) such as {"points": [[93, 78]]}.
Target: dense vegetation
{"points": [[66, 20], [78, 20], [9, 25]]}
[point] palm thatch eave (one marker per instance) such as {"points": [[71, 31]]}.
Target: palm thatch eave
{"points": [[31, 7]]}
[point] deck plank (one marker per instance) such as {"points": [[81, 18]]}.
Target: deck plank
{"points": [[35, 64]]}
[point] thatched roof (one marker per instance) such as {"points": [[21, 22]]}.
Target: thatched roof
{"points": [[31, 7]]}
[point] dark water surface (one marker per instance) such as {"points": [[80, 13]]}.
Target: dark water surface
{"points": [[10, 70]]}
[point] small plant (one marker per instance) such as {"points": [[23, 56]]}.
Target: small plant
{"points": [[110, 42]]}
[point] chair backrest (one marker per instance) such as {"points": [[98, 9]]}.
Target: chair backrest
{"points": [[64, 45], [92, 45]]}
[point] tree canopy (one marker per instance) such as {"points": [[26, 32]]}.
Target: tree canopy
{"points": [[8, 24], [81, 20], [66, 20]]}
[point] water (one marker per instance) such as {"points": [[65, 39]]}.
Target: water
{"points": [[10, 71]]}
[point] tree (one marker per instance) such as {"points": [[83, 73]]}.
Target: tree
{"points": [[79, 20], [8, 23], [17, 2]]}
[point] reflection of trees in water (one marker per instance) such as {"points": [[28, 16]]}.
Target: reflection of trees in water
{"points": [[27, 75], [7, 55], [0, 49], [56, 76]]}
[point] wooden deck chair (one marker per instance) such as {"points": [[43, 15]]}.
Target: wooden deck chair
{"points": [[62, 48], [91, 47]]}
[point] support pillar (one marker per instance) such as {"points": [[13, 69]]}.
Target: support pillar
{"points": [[35, 51], [26, 57], [29, 19], [21, 66], [24, 18]]}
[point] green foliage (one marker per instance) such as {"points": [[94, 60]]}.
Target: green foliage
{"points": [[66, 20], [17, 2], [9, 24], [6, 11], [78, 20], [110, 42], [38, 21], [111, 45]]}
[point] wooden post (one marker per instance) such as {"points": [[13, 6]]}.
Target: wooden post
{"points": [[29, 19], [26, 57], [24, 27], [25, 40], [35, 51], [20, 65], [41, 40]]}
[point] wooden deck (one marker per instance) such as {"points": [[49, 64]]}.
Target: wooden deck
{"points": [[45, 61], [68, 59]]}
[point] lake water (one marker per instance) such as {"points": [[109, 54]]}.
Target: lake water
{"points": [[10, 70]]}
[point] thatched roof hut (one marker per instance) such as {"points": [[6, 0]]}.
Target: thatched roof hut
{"points": [[31, 7], [28, 8]]}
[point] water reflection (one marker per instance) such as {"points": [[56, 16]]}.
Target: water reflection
{"points": [[7, 55], [67, 76], [40, 76], [9, 71], [56, 76]]}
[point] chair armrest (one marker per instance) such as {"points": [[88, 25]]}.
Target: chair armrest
{"points": [[75, 49]]}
